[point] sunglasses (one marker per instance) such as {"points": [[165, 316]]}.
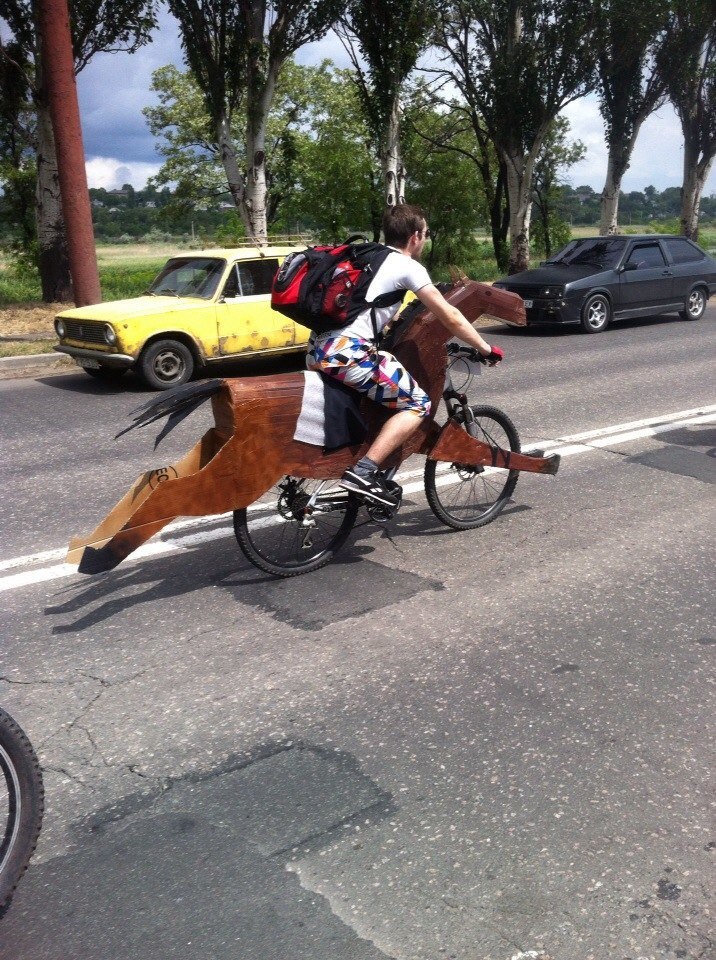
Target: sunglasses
{"points": [[425, 234]]}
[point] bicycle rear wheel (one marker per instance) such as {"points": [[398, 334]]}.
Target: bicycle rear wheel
{"points": [[283, 534], [21, 805], [464, 497]]}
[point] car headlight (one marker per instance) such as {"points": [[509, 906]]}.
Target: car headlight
{"points": [[500, 286], [553, 291], [109, 335], [60, 328]]}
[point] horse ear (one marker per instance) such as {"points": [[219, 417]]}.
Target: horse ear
{"points": [[457, 275]]}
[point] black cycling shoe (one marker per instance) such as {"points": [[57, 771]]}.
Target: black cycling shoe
{"points": [[372, 487]]}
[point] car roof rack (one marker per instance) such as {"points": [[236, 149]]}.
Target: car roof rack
{"points": [[276, 240]]}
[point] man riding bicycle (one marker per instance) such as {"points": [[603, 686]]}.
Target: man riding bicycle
{"points": [[350, 354]]}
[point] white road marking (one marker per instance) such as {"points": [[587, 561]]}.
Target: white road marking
{"points": [[219, 526]]}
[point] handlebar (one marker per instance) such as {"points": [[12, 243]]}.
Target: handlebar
{"points": [[469, 353]]}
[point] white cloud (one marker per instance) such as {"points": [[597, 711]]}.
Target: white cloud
{"points": [[658, 155], [111, 172]]}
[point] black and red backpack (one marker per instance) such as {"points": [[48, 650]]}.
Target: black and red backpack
{"points": [[324, 288]]}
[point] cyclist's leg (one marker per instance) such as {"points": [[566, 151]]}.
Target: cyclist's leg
{"points": [[384, 380]]}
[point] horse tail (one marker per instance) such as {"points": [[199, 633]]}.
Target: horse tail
{"points": [[175, 404]]}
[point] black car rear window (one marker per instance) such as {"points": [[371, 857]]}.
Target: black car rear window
{"points": [[683, 251], [592, 251]]}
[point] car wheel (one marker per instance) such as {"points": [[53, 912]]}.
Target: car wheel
{"points": [[596, 313], [106, 374], [165, 364], [695, 305]]}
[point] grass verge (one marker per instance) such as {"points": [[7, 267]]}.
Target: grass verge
{"points": [[26, 348]]}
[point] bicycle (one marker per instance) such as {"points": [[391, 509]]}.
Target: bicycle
{"points": [[299, 524], [289, 518], [21, 805]]}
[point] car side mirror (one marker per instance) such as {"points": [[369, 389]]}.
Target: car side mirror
{"points": [[628, 267]]}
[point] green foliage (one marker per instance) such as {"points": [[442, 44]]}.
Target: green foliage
{"points": [[557, 154], [390, 35], [628, 37], [556, 234], [668, 226], [445, 181], [337, 184]]}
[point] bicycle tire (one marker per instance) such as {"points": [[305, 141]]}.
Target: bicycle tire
{"points": [[264, 551], [479, 494], [22, 804]]}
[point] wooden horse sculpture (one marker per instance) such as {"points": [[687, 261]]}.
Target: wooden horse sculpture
{"points": [[252, 445]]}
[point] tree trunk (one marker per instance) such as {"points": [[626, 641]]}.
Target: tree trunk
{"points": [[227, 152], [519, 191], [259, 101], [695, 175], [393, 169], [493, 191], [500, 219], [608, 223], [53, 260], [618, 163]]}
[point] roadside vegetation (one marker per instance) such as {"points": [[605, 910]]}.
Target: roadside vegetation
{"points": [[254, 143]]}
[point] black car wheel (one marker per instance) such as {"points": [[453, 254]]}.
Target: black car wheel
{"points": [[165, 364], [695, 305], [596, 313]]}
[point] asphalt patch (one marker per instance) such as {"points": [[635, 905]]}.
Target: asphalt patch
{"points": [[201, 872], [342, 591]]}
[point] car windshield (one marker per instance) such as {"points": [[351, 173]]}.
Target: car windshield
{"points": [[189, 277], [596, 251]]}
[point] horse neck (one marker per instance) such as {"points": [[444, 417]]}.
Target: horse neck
{"points": [[421, 350]]}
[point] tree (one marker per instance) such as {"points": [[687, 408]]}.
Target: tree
{"points": [[556, 155], [337, 178], [492, 182], [631, 85], [689, 63], [98, 26], [236, 49], [517, 64], [306, 98], [390, 36], [445, 181]]}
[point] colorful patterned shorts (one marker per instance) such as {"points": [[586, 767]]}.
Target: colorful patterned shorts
{"points": [[358, 364]]}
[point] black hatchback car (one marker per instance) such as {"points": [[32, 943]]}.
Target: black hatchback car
{"points": [[598, 279]]}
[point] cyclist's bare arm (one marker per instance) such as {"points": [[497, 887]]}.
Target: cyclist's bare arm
{"points": [[451, 318]]}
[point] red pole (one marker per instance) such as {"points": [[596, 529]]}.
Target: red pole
{"points": [[58, 65]]}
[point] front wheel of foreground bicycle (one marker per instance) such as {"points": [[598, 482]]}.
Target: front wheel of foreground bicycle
{"points": [[21, 805], [285, 535], [465, 497]]}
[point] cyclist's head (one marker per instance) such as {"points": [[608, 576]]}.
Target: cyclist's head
{"points": [[401, 222]]}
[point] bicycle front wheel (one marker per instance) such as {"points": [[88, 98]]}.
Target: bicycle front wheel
{"points": [[286, 534], [21, 805], [464, 497]]}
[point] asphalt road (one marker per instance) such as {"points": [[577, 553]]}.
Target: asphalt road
{"points": [[478, 745]]}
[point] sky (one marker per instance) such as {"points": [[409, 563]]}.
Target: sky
{"points": [[119, 148]]}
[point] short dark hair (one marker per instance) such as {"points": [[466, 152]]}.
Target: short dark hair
{"points": [[400, 223]]}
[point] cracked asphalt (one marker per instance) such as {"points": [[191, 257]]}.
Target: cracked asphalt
{"points": [[486, 745]]}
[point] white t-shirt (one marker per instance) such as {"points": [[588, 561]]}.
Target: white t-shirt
{"points": [[397, 272]]}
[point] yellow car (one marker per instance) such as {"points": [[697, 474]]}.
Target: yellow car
{"points": [[203, 307]]}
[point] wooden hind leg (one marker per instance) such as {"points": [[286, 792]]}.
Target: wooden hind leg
{"points": [[202, 483]]}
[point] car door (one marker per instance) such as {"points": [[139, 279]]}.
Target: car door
{"points": [[646, 280], [245, 321]]}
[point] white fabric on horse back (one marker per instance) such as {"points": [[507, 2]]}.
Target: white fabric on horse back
{"points": [[311, 423]]}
